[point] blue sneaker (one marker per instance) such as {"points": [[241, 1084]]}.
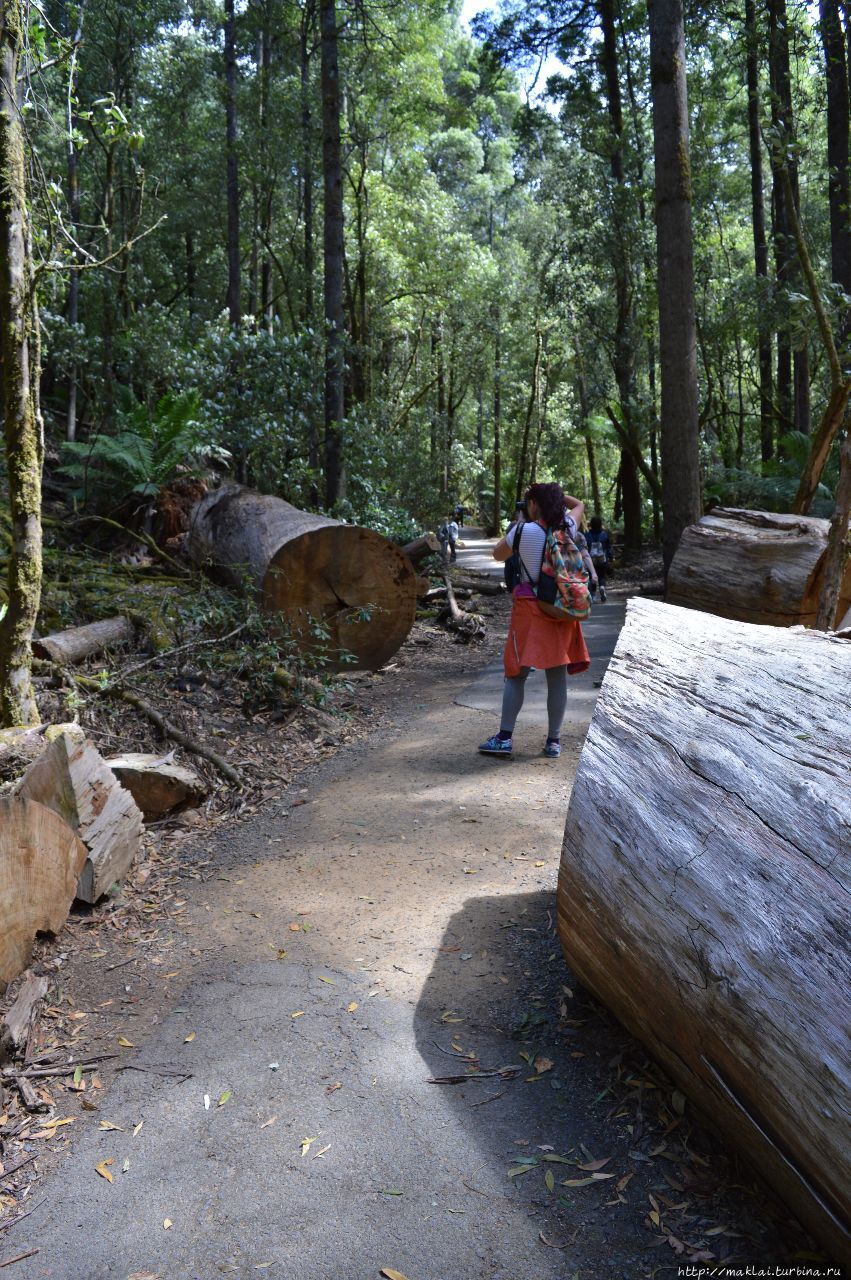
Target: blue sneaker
{"points": [[552, 750], [496, 746]]}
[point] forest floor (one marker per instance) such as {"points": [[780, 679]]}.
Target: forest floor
{"points": [[345, 1038]]}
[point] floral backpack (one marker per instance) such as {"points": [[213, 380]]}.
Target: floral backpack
{"points": [[562, 588]]}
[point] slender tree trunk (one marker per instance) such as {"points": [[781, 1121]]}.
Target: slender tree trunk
{"points": [[497, 421], [189, 243], [267, 183], [839, 182], [630, 501], [838, 543], [335, 320], [234, 299], [793, 379], [681, 498], [534, 394], [73, 212], [19, 348], [584, 413], [760, 242], [308, 251]]}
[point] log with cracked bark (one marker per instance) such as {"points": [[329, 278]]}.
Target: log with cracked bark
{"points": [[40, 861], [72, 778], [18, 1024], [427, 545], [707, 901], [356, 584], [755, 566]]}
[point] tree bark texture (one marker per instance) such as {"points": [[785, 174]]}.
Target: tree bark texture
{"points": [[755, 566], [710, 910], [310, 567], [835, 597], [681, 497], [234, 300], [335, 320], [75, 644], [760, 240], [19, 351]]}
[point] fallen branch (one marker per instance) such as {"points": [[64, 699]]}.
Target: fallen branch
{"points": [[177, 735], [181, 648], [67, 1068], [468, 625], [20, 1257]]}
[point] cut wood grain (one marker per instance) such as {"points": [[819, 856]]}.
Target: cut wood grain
{"points": [[159, 786], [72, 778], [707, 902], [40, 861], [357, 584], [75, 644], [754, 566]]}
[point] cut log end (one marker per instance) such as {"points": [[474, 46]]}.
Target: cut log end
{"points": [[40, 861], [352, 582]]}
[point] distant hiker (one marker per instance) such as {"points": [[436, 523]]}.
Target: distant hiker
{"points": [[600, 547], [448, 534], [587, 560], [534, 638]]}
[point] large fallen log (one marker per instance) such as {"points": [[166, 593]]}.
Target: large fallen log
{"points": [[77, 643], [755, 566], [358, 585], [704, 892], [18, 1026], [72, 778], [40, 861], [428, 545]]}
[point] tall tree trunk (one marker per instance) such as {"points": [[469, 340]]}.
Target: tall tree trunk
{"points": [[19, 348], [534, 395], [335, 320], [73, 210], [793, 368], [308, 14], [760, 242], [584, 414], [681, 499], [234, 299], [267, 185], [624, 355], [497, 421], [839, 182], [838, 543]]}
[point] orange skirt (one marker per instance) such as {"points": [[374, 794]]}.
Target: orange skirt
{"points": [[535, 640]]}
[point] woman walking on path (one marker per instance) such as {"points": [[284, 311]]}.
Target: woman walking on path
{"points": [[535, 639]]}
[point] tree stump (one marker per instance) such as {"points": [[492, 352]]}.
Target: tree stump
{"points": [[754, 566], [72, 778], [358, 585], [40, 861], [705, 884]]}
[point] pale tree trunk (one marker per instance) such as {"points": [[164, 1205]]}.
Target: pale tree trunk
{"points": [[838, 544], [760, 241], [74, 216], [839, 180], [333, 256], [681, 500], [534, 396], [19, 348], [497, 422], [234, 266]]}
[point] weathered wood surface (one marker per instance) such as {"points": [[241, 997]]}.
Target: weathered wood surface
{"points": [[72, 778], [354, 581], [705, 884], [158, 785], [40, 861], [77, 643], [17, 1024], [754, 566], [19, 747]]}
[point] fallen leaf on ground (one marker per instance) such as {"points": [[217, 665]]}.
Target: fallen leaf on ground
{"points": [[390, 1274], [103, 1169], [330, 981], [189, 1038], [332, 1088], [543, 1064], [594, 1165], [321, 1151], [520, 1169], [586, 1182], [137, 1130], [295, 928], [125, 1043], [125, 1166], [306, 1144], [107, 1124], [351, 1007], [266, 1123], [549, 1179], [167, 1222], [226, 1097]]}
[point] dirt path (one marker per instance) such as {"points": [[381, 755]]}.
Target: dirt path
{"points": [[391, 925]]}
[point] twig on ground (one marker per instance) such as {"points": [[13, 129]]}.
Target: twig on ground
{"points": [[181, 648], [20, 1257]]}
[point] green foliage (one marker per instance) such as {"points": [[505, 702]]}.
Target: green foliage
{"points": [[147, 452]]}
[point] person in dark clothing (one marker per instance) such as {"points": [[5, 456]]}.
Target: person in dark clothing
{"points": [[600, 548]]}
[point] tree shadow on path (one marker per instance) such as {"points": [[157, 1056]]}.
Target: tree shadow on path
{"points": [[573, 1100]]}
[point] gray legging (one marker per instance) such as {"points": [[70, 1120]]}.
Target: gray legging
{"points": [[515, 688]]}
